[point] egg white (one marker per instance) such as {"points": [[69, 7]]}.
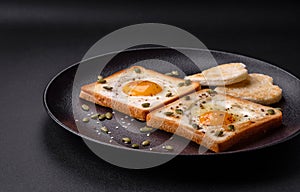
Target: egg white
{"points": [[241, 114], [137, 101]]}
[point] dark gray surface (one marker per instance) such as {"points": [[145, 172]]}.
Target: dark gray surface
{"points": [[39, 40]]}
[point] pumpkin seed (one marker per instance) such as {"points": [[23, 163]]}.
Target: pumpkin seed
{"points": [[109, 88], [146, 143], [196, 126], [101, 81], [180, 84], [187, 82], [219, 133], [212, 92], [231, 127], [169, 147], [187, 97], [126, 140], [169, 94], [179, 111], [85, 120], [135, 146], [172, 73], [168, 113], [145, 129], [175, 73], [270, 111], [145, 105], [137, 70], [108, 115], [95, 116], [85, 107], [102, 117], [104, 129]]}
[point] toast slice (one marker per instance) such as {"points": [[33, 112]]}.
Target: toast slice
{"points": [[257, 87], [215, 121], [224, 74], [136, 91]]}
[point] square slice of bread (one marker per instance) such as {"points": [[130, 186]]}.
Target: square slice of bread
{"points": [[136, 91], [215, 121]]}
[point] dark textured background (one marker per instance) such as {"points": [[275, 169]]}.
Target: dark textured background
{"points": [[37, 40]]}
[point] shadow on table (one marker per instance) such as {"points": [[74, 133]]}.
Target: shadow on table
{"points": [[262, 166]]}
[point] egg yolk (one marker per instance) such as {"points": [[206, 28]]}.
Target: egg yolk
{"points": [[214, 118], [142, 88]]}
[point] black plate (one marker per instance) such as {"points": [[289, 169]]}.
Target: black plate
{"points": [[58, 99]]}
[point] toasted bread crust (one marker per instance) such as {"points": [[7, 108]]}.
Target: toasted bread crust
{"points": [[244, 132], [90, 92], [257, 88], [224, 74]]}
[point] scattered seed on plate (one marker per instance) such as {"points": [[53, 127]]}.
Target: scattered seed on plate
{"points": [[85, 120], [146, 143], [108, 115], [145, 129], [126, 140], [95, 116], [104, 129], [135, 146], [85, 107], [102, 117], [169, 147]]}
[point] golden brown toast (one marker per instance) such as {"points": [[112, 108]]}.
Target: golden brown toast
{"points": [[136, 91], [215, 121], [258, 88]]}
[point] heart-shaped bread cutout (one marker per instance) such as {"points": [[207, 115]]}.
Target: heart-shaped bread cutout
{"points": [[257, 87]]}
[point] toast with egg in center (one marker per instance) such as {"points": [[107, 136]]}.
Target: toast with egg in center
{"points": [[215, 121], [136, 91]]}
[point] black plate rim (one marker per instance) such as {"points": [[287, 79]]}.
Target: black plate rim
{"points": [[52, 116]]}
